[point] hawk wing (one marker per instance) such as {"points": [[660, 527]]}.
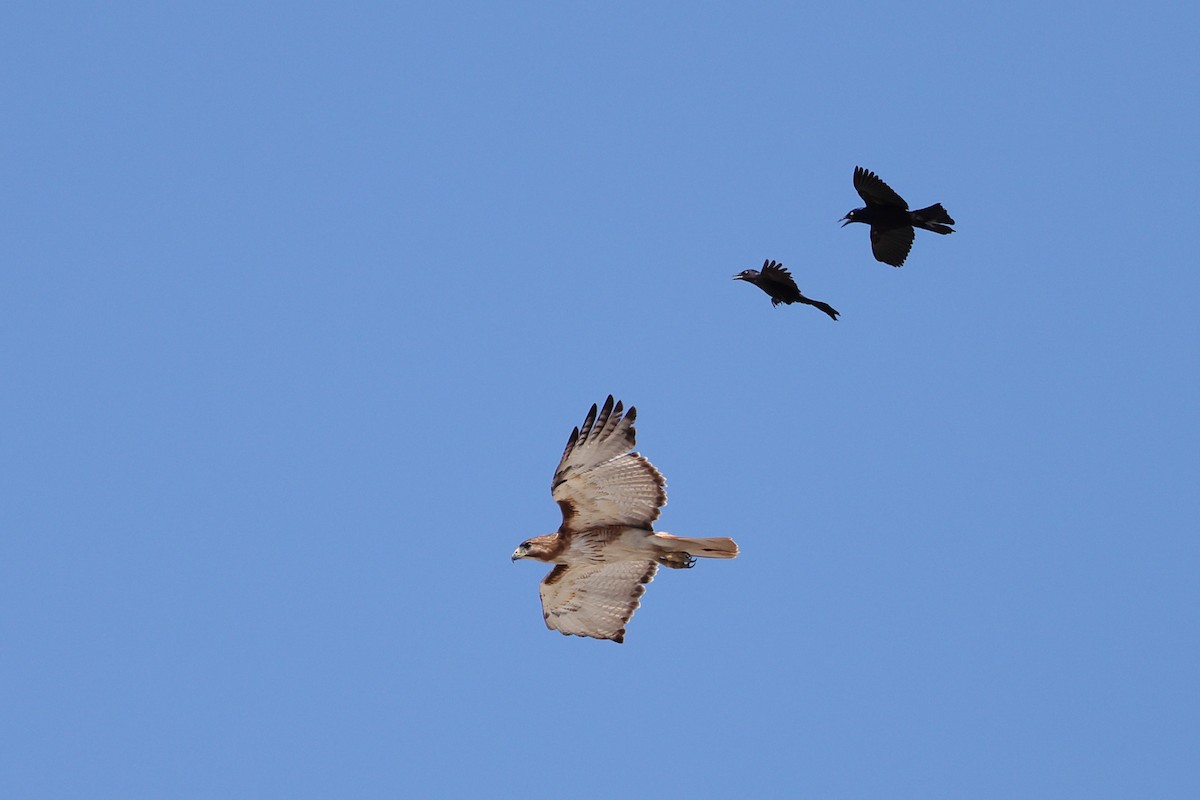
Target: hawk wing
{"points": [[599, 483], [874, 191], [891, 245], [595, 599]]}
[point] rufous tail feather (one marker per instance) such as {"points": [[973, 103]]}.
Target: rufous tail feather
{"points": [[715, 547]]}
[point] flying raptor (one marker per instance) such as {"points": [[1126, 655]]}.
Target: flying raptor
{"points": [[605, 550], [890, 220], [775, 280]]}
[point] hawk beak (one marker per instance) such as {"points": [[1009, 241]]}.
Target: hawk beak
{"points": [[516, 555]]}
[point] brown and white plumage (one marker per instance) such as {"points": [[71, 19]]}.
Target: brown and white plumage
{"points": [[605, 551]]}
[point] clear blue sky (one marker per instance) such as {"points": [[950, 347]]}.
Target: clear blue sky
{"points": [[300, 302]]}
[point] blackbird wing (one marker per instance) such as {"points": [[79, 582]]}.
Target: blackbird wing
{"points": [[874, 191]]}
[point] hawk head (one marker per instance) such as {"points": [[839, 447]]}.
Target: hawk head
{"points": [[543, 548]]}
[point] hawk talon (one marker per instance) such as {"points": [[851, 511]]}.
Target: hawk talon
{"points": [[677, 560]]}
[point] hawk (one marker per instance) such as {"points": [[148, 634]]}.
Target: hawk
{"points": [[605, 551], [890, 220]]}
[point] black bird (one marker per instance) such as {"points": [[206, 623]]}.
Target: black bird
{"points": [[890, 220], [776, 281]]}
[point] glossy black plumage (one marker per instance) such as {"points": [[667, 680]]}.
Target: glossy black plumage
{"points": [[891, 222], [776, 281]]}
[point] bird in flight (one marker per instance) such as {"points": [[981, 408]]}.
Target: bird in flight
{"points": [[775, 280], [605, 550], [890, 220]]}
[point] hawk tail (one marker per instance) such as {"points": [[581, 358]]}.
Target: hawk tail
{"points": [[714, 547]]}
